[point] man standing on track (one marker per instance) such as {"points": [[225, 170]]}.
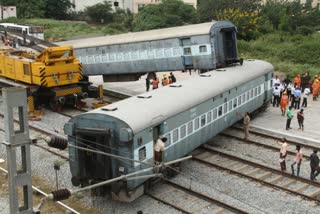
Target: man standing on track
{"points": [[246, 121], [297, 160], [283, 154], [314, 165]]}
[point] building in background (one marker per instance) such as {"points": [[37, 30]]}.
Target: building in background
{"points": [[7, 12], [132, 5]]}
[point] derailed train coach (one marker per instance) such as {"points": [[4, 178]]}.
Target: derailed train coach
{"points": [[127, 56], [188, 113]]}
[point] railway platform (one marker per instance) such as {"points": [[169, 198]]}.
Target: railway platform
{"points": [[271, 122]]}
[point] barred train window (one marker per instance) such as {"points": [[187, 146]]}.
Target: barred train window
{"points": [[203, 120], [209, 115], [220, 111], [255, 92], [142, 153], [225, 109], [248, 95], [175, 135], [244, 98], [168, 142], [235, 103], [196, 123], [251, 94], [203, 49], [239, 100], [230, 105], [183, 131], [190, 127], [214, 114], [259, 90], [187, 51]]}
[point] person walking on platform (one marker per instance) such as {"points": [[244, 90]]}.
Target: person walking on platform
{"points": [[283, 154], [289, 118], [297, 160], [155, 83], [173, 78], [297, 98], [165, 81], [305, 95], [147, 84], [314, 165], [284, 103], [300, 118], [276, 96], [246, 121], [315, 89]]}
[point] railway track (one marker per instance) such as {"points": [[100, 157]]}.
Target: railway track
{"points": [[189, 201], [268, 176]]}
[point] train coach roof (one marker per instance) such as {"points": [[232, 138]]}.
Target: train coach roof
{"points": [[141, 113], [165, 33]]}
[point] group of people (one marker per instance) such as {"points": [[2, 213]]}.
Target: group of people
{"points": [[314, 160], [165, 81], [286, 91]]}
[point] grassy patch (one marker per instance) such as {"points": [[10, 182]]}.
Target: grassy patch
{"points": [[290, 54]]}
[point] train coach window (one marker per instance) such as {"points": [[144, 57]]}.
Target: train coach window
{"points": [[248, 95], [235, 103], [142, 154], [175, 136], [190, 127], [183, 131], [251, 94], [168, 142], [239, 100], [209, 116], [203, 120], [255, 92], [196, 123], [203, 49], [220, 111], [259, 90], [214, 114], [244, 98], [225, 108], [187, 51], [230, 105]]}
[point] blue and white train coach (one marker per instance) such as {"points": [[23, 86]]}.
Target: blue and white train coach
{"points": [[188, 113]]}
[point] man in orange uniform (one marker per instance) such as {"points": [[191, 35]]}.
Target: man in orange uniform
{"points": [[284, 103], [297, 80], [315, 89], [155, 83]]}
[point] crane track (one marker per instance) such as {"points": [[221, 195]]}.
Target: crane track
{"points": [[188, 201], [268, 176]]}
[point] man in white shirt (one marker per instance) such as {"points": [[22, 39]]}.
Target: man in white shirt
{"points": [[276, 80], [305, 94], [276, 96], [159, 149]]}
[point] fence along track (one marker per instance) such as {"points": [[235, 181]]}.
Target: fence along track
{"points": [[260, 173], [189, 201]]}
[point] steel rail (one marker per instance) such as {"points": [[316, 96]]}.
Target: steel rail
{"points": [[273, 148], [257, 165], [197, 195]]}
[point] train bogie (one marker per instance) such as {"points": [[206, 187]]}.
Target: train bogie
{"points": [[188, 114]]}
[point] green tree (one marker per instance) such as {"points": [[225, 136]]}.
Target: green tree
{"points": [[210, 9], [101, 12], [169, 13], [30, 8], [57, 9]]}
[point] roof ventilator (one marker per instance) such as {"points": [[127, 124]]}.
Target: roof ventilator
{"points": [[205, 75], [221, 70], [144, 96], [175, 86], [109, 109]]}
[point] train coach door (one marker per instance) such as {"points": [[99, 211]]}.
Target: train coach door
{"points": [[229, 45], [187, 58]]}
